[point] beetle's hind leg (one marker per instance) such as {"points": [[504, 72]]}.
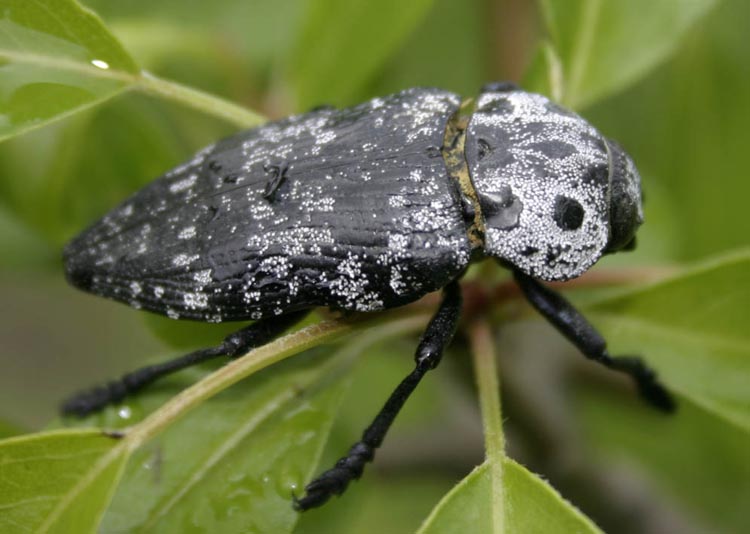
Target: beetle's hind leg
{"points": [[574, 326], [436, 337], [235, 344]]}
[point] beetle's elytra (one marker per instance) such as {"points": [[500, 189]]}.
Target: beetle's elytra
{"points": [[364, 209]]}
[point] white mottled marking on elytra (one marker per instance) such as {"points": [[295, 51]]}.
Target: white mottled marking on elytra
{"points": [[183, 260], [203, 277], [187, 233], [185, 183], [195, 300]]}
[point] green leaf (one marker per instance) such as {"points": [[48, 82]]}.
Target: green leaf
{"points": [[23, 249], [60, 178], [58, 481], [343, 42], [606, 46], [82, 489], [55, 57], [239, 459], [656, 449], [235, 462], [464, 70], [531, 506], [257, 31], [693, 329], [686, 122]]}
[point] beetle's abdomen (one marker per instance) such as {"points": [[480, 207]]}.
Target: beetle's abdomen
{"points": [[347, 208]]}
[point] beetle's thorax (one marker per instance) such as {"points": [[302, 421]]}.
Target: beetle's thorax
{"points": [[541, 177]]}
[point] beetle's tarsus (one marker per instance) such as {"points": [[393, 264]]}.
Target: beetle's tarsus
{"points": [[574, 326], [235, 344], [335, 480], [645, 378], [436, 337]]}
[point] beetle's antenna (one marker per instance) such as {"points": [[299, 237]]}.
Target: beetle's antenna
{"points": [[436, 337]]}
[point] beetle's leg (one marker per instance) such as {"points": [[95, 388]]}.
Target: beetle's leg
{"points": [[574, 326], [436, 337], [238, 343]]}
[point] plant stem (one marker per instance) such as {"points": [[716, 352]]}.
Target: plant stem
{"points": [[485, 369], [205, 102]]}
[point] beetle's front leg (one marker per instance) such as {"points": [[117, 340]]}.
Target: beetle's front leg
{"points": [[574, 326], [436, 337]]}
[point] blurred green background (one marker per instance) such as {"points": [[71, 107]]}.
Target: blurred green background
{"points": [[669, 80]]}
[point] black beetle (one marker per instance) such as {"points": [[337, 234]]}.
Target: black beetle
{"points": [[364, 209]]}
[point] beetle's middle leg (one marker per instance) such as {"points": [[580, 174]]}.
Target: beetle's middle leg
{"points": [[437, 336], [235, 344], [574, 326]]}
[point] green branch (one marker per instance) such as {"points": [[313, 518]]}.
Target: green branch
{"points": [[485, 369], [205, 102]]}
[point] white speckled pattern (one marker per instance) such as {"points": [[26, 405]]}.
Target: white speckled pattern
{"points": [[527, 156]]}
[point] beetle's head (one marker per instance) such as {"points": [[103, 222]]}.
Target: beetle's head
{"points": [[554, 193], [625, 201]]}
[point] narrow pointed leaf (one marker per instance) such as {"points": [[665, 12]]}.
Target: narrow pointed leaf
{"points": [[606, 46], [347, 41], [55, 57]]}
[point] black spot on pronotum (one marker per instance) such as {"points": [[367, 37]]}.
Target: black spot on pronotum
{"points": [[598, 175], [568, 213], [498, 106], [483, 148], [501, 209], [554, 149]]}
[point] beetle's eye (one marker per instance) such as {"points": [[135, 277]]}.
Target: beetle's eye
{"points": [[568, 213]]}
